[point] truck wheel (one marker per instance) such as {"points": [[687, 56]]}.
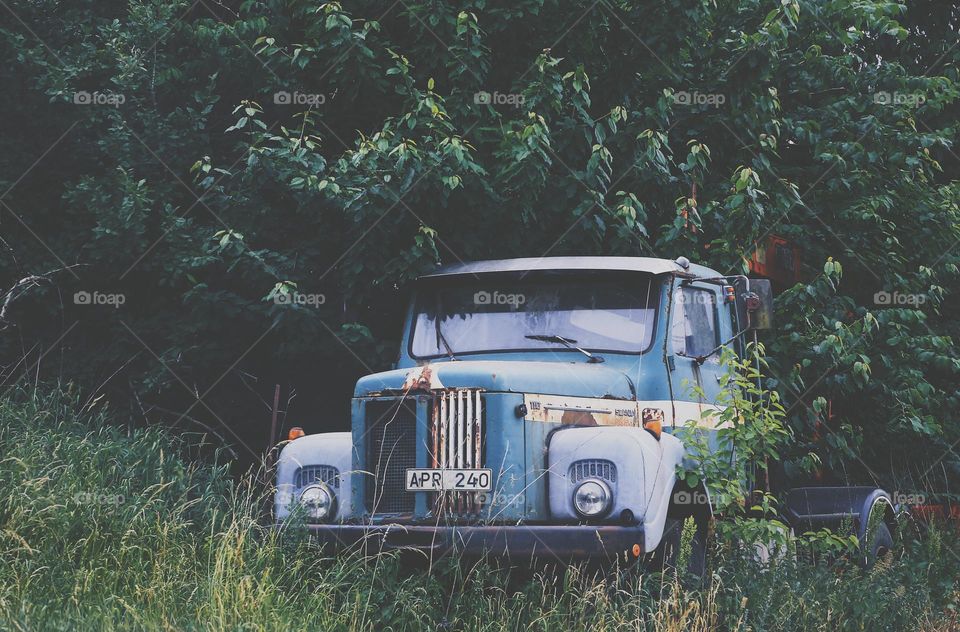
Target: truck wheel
{"points": [[880, 544], [668, 553]]}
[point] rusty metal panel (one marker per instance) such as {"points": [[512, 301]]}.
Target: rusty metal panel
{"points": [[580, 411], [448, 422], [468, 444], [458, 445], [434, 433], [478, 421], [456, 432]]}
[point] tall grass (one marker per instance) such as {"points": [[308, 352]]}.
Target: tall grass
{"points": [[108, 529]]}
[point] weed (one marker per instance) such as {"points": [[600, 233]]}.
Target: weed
{"points": [[102, 528]]}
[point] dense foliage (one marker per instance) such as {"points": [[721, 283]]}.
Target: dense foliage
{"points": [[127, 535], [202, 159]]}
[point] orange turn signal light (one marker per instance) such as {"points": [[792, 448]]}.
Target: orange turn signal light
{"points": [[295, 433], [729, 294], [652, 421]]}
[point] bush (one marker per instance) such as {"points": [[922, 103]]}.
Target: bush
{"points": [[265, 149]]}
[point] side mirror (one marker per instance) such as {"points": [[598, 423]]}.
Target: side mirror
{"points": [[758, 304]]}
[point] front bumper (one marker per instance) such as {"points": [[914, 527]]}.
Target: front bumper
{"points": [[559, 542]]}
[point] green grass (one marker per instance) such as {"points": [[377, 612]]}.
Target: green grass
{"points": [[106, 529]]}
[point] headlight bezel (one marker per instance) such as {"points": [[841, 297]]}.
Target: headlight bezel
{"points": [[311, 507], [605, 489]]}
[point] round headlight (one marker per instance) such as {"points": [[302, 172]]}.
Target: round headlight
{"points": [[592, 498], [317, 501]]}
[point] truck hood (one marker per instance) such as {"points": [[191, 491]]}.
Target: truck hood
{"points": [[573, 379]]}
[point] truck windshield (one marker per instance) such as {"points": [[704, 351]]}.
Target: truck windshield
{"points": [[599, 314]]}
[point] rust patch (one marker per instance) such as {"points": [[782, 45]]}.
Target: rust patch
{"points": [[422, 378], [652, 415], [578, 418], [581, 411]]}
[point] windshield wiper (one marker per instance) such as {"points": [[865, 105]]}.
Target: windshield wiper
{"points": [[569, 343], [441, 339]]}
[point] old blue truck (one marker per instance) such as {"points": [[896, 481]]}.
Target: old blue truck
{"points": [[530, 414]]}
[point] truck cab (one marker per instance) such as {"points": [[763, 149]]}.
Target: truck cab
{"points": [[531, 412]]}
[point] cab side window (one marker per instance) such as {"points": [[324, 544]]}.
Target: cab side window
{"points": [[694, 327]]}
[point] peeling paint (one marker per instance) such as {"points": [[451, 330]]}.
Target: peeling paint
{"points": [[578, 418], [580, 411], [591, 411], [422, 378]]}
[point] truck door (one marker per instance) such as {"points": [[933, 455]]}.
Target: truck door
{"points": [[697, 326]]}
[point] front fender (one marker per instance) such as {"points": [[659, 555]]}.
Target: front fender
{"points": [[331, 449], [645, 472]]}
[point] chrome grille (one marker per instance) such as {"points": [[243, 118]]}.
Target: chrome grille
{"points": [[310, 474], [593, 468], [457, 441], [391, 440]]}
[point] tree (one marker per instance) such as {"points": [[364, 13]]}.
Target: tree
{"points": [[341, 149]]}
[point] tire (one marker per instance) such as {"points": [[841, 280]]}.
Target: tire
{"points": [[879, 545], [668, 553]]}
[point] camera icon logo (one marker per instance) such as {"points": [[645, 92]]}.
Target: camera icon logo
{"points": [[482, 298], [82, 298], [882, 98], [482, 98], [82, 98], [282, 98], [682, 98], [281, 298], [882, 298]]}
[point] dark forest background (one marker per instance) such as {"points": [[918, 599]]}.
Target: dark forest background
{"points": [[199, 159]]}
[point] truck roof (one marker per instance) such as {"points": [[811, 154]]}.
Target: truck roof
{"points": [[649, 265]]}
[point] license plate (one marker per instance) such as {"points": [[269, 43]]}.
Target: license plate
{"points": [[448, 480]]}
